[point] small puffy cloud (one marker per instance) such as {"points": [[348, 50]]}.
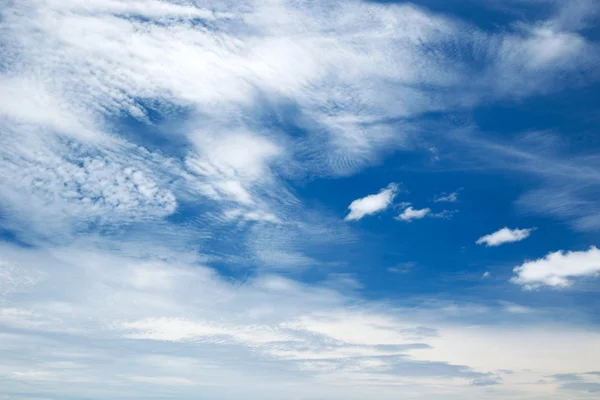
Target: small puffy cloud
{"points": [[410, 213], [485, 275], [372, 204], [557, 269], [504, 235]]}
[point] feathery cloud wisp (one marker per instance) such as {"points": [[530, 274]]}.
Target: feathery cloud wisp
{"points": [[446, 198]]}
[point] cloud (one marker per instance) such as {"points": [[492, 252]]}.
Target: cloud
{"points": [[153, 316], [504, 235], [558, 269], [567, 181], [446, 197], [444, 214], [74, 186], [410, 214], [577, 382], [232, 163], [203, 322], [218, 68], [372, 204], [486, 381], [144, 142]]}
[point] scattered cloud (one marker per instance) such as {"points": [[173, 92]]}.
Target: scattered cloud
{"points": [[485, 275], [447, 197], [411, 213], [558, 269], [148, 161], [372, 204], [504, 235]]}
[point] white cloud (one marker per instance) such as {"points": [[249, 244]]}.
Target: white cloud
{"points": [[180, 324], [231, 165], [42, 183], [410, 214], [27, 100], [372, 204], [69, 164], [241, 215], [356, 70], [546, 47], [504, 235], [558, 269], [120, 59]]}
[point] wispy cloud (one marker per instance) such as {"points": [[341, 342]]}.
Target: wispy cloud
{"points": [[567, 180], [504, 235], [196, 321], [446, 197], [143, 140], [372, 204]]}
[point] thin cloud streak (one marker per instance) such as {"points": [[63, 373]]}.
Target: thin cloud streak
{"points": [[505, 235]]}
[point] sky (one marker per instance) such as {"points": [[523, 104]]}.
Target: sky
{"points": [[299, 199]]}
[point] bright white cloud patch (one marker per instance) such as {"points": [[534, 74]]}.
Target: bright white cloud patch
{"points": [[411, 213], [558, 269], [504, 235], [372, 204]]}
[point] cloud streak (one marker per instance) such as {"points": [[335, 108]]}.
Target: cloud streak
{"points": [[504, 235], [446, 197]]}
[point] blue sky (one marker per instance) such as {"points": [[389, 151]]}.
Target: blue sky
{"points": [[299, 199]]}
